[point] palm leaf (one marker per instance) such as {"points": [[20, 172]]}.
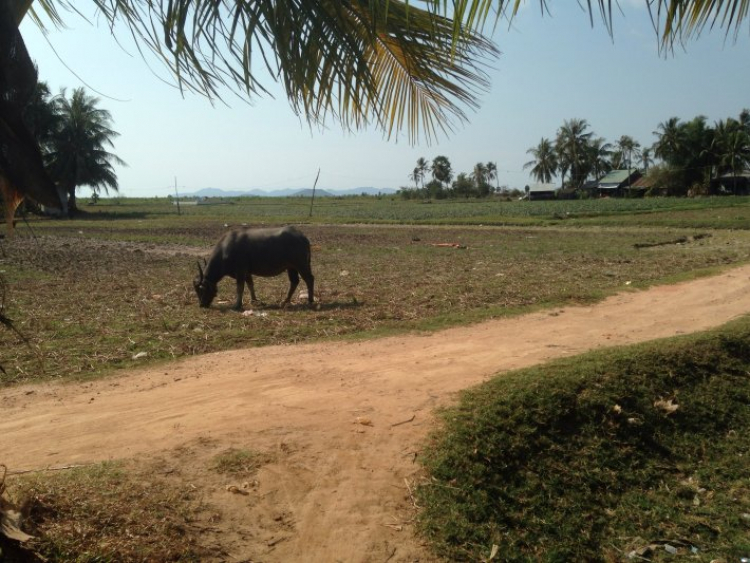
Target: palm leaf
{"points": [[408, 65]]}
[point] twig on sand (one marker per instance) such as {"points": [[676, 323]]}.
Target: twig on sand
{"points": [[411, 494], [273, 542], [413, 456], [404, 421]]}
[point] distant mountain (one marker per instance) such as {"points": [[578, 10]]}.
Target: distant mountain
{"points": [[366, 191], [215, 192], [288, 192], [308, 192]]}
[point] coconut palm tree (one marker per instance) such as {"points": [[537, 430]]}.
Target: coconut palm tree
{"points": [[77, 154], [544, 166], [736, 154], [684, 147], [599, 152], [482, 178], [617, 160], [571, 146], [730, 147], [630, 149], [696, 161], [745, 120], [479, 173], [422, 167], [646, 159], [670, 141], [414, 177], [491, 168]]}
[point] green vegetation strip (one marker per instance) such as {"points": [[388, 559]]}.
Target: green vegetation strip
{"points": [[634, 453], [141, 216]]}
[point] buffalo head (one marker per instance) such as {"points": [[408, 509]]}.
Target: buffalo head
{"points": [[205, 289]]}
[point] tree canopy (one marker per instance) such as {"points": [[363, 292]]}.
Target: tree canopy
{"points": [[692, 153], [76, 152], [413, 67]]}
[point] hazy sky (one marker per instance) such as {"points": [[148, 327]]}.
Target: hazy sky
{"points": [[552, 68]]}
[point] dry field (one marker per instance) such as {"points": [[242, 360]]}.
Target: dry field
{"points": [[89, 300]]}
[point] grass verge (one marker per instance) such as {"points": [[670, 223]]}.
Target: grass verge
{"points": [[638, 451], [106, 513]]}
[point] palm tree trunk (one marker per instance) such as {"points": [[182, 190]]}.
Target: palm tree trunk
{"points": [[19, 8], [19, 151], [72, 206]]}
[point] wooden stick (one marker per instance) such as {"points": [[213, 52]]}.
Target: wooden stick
{"points": [[404, 421]]}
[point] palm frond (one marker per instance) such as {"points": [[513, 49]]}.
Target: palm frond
{"points": [[682, 19], [355, 61], [420, 82], [408, 65], [674, 20]]}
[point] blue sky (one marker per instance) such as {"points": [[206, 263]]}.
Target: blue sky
{"points": [[552, 68]]}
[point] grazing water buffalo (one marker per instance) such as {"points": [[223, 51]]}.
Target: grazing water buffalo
{"points": [[243, 253]]}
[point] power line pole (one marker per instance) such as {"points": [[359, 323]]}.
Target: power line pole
{"points": [[176, 195], [312, 200]]}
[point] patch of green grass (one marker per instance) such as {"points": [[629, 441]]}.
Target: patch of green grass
{"points": [[593, 457], [105, 513], [143, 215], [238, 462]]}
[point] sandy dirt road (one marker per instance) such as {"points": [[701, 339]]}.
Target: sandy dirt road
{"points": [[344, 421]]}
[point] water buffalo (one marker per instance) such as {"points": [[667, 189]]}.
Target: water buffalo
{"points": [[243, 253]]}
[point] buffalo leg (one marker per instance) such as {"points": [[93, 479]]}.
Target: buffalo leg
{"points": [[240, 291], [293, 283], [251, 287], [310, 283]]}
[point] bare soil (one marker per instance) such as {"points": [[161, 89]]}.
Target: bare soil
{"points": [[341, 423]]}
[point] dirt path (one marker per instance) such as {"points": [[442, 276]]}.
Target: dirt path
{"points": [[337, 489]]}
